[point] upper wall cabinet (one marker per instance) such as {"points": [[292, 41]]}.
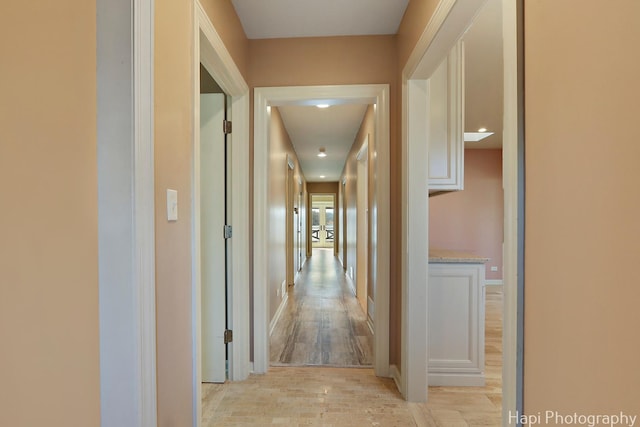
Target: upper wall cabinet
{"points": [[446, 123]]}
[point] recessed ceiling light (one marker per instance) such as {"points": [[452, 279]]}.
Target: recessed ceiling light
{"points": [[476, 136], [322, 153], [322, 105], [482, 130]]}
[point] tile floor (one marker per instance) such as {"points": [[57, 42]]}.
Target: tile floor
{"points": [[329, 396]]}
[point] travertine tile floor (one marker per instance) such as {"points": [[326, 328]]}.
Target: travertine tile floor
{"points": [[328, 396]]}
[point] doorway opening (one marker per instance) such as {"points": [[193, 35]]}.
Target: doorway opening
{"points": [[264, 100], [432, 47], [323, 221], [211, 53], [214, 196]]}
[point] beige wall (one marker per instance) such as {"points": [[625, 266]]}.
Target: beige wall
{"points": [[582, 203], [322, 61], [173, 157], [411, 27], [472, 220], [350, 173], [341, 60], [227, 24], [279, 148], [414, 21], [173, 169], [49, 357]]}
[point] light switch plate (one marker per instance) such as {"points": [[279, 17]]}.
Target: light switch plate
{"points": [[172, 205]]}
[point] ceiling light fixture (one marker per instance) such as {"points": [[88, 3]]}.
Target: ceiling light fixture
{"points": [[322, 176], [322, 105], [482, 130], [322, 152]]}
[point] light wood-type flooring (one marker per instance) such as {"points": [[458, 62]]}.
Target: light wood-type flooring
{"points": [[329, 396], [322, 322]]}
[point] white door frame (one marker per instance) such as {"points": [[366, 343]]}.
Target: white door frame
{"points": [[362, 234], [324, 206], [446, 26], [126, 203], [264, 98], [212, 53]]}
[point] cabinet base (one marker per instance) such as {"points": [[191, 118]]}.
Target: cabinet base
{"points": [[456, 380]]}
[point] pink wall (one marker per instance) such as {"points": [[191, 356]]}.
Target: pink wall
{"points": [[472, 220]]}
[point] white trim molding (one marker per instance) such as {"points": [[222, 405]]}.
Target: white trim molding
{"points": [[446, 26], [264, 98], [144, 205], [510, 159], [276, 317], [415, 191], [126, 212], [493, 282], [210, 51]]}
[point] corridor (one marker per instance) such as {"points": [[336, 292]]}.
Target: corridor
{"points": [[322, 323]]}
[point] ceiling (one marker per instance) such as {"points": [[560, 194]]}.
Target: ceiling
{"points": [[263, 19], [335, 128]]}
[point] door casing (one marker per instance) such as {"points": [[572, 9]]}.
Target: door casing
{"points": [[210, 51], [264, 98]]}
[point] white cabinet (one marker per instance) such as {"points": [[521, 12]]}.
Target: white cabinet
{"points": [[456, 324], [446, 123]]}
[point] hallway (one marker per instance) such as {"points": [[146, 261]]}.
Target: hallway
{"points": [[322, 323]]}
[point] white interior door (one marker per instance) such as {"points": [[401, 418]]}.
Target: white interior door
{"points": [[213, 252]]}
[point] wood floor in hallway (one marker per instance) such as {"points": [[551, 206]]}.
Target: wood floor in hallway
{"points": [[326, 396], [322, 322]]}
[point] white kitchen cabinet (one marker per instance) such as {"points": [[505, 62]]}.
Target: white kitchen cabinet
{"points": [[456, 324], [446, 123]]}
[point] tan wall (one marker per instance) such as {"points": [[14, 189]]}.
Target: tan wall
{"points": [[341, 60], [322, 60], [411, 27], [49, 357], [472, 220], [414, 21], [582, 203], [279, 147], [228, 26], [322, 187], [173, 158], [350, 173], [173, 169]]}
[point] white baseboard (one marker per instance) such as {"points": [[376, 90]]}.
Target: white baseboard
{"points": [[279, 311], [352, 285], [371, 308], [395, 374], [456, 380]]}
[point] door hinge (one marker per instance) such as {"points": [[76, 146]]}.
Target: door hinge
{"points": [[228, 231], [228, 336], [226, 125]]}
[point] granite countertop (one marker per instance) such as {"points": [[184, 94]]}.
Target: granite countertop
{"points": [[449, 256]]}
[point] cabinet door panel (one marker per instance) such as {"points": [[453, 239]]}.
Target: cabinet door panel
{"points": [[446, 123]]}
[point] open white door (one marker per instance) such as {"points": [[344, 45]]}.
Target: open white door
{"points": [[213, 260]]}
